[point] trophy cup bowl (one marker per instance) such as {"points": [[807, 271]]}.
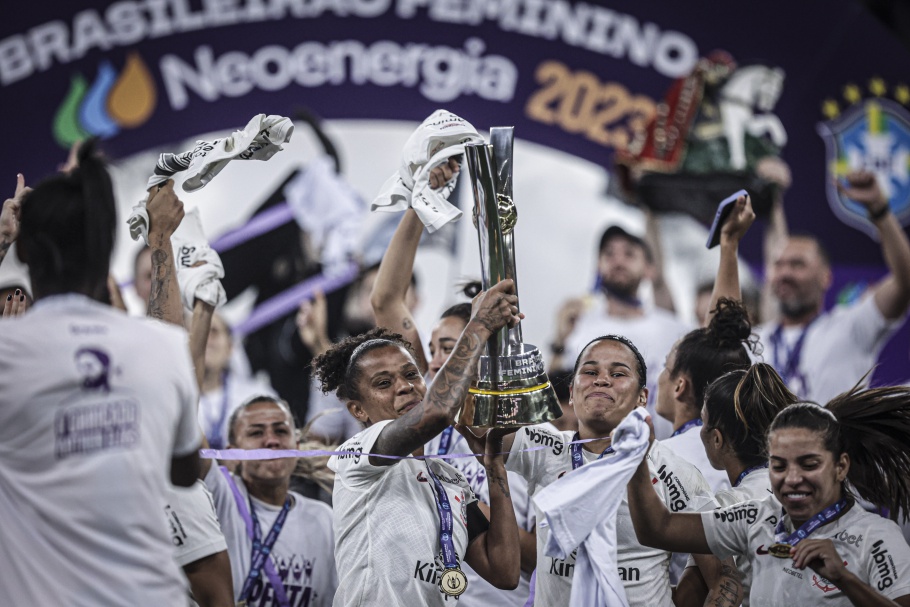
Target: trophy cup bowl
{"points": [[512, 388]]}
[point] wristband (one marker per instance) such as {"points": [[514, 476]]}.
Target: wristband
{"points": [[876, 215]]}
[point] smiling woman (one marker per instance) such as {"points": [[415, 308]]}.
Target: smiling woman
{"points": [[403, 524], [820, 543]]}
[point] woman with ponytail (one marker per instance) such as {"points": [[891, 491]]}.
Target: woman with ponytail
{"points": [[95, 409], [810, 543], [696, 360]]}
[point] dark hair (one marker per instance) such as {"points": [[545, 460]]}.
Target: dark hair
{"points": [[873, 428], [259, 398], [822, 251], [642, 367], [707, 353], [67, 227], [459, 310], [742, 404], [337, 370]]}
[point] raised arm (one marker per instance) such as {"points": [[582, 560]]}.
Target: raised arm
{"points": [[165, 213], [776, 232], [9, 217], [393, 280], [726, 284], [493, 310], [663, 298], [892, 294]]}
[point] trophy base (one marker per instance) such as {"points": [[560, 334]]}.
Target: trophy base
{"points": [[522, 397]]}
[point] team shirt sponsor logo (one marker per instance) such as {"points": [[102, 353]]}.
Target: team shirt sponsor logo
{"points": [[547, 440], [884, 565], [746, 513], [353, 452], [847, 538], [178, 534], [676, 490]]}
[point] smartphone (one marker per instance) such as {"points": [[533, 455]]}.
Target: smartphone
{"points": [[723, 211]]}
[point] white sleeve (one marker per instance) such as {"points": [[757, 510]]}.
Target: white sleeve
{"points": [[869, 329], [727, 529], [194, 527], [188, 433], [530, 451], [888, 560], [353, 467]]}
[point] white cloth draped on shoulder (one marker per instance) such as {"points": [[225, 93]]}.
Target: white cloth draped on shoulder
{"points": [[581, 508]]}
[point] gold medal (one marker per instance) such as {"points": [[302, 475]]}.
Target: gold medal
{"points": [[781, 551], [453, 582]]}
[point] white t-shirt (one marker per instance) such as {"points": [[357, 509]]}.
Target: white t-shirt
{"points": [[387, 526], [93, 406], [642, 570], [755, 486], [193, 524], [840, 347], [303, 554], [688, 446], [653, 333], [871, 546], [481, 593], [216, 407]]}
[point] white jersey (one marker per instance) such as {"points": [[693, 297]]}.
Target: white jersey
{"points": [[756, 485], [689, 447], [387, 542], [481, 593], [193, 524], [303, 554], [839, 348], [871, 546], [654, 334], [93, 407], [642, 570]]}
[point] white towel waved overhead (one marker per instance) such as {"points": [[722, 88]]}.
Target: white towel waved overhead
{"points": [[580, 509], [199, 268], [260, 139], [440, 137]]}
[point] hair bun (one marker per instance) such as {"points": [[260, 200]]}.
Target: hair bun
{"points": [[730, 323]]}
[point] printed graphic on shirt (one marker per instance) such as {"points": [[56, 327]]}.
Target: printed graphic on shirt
{"points": [[885, 571], [545, 439], [747, 512], [178, 534], [677, 495], [296, 573]]}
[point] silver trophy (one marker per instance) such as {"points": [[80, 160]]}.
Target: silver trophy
{"points": [[512, 388]]}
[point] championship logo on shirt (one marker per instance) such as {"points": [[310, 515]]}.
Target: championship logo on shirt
{"points": [[94, 366], [871, 134]]}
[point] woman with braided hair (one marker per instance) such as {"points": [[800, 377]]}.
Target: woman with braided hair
{"points": [[402, 525], [810, 543]]}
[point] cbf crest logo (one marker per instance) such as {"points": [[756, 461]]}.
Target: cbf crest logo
{"points": [[871, 134]]}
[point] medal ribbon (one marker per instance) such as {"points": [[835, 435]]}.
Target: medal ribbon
{"points": [[446, 523], [578, 460], [260, 552], [445, 440], [747, 472], [689, 424], [825, 516]]}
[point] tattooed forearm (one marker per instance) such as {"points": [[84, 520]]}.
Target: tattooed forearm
{"points": [[500, 481], [161, 276], [445, 396], [728, 592]]}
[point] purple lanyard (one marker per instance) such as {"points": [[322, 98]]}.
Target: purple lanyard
{"points": [[789, 368], [689, 424], [825, 516], [446, 522], [578, 460], [260, 552], [217, 430], [445, 441], [747, 472]]}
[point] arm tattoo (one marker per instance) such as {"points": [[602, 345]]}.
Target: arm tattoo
{"points": [[445, 397], [161, 276], [501, 483], [729, 591]]}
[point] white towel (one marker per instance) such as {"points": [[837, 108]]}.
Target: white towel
{"points": [[329, 210], [440, 137], [260, 139], [580, 509], [201, 281]]}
